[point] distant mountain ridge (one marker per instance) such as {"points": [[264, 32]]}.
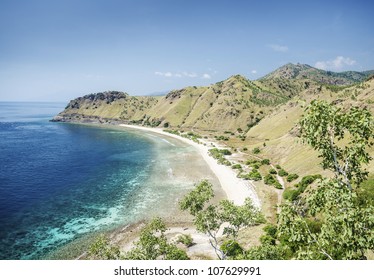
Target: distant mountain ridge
{"points": [[235, 104], [305, 71]]}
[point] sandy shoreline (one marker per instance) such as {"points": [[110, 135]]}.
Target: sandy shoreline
{"points": [[236, 189]]}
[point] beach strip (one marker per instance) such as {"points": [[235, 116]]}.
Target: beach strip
{"points": [[236, 189]]}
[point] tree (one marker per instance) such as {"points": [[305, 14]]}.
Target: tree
{"points": [[325, 126], [329, 223], [102, 249], [209, 219], [153, 244]]}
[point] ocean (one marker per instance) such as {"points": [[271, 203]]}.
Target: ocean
{"points": [[62, 181]]}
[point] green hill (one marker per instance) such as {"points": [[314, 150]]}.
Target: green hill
{"points": [[305, 71]]}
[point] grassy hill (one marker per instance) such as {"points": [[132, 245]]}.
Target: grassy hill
{"points": [[250, 114], [305, 71]]}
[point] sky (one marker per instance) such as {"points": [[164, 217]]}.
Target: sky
{"points": [[59, 50]]}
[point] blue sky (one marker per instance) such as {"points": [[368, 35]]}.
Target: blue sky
{"points": [[58, 50]]}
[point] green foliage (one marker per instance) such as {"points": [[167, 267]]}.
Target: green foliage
{"points": [[236, 166], [231, 248], [325, 126], [292, 177], [272, 171], [293, 194], [185, 239], [278, 167], [365, 194], [219, 154], [102, 249], [209, 219], [195, 201], [256, 151], [282, 173], [346, 231], [267, 252], [265, 161], [331, 222], [254, 175], [270, 180], [153, 244], [222, 138]]}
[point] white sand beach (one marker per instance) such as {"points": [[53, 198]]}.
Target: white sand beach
{"points": [[236, 189]]}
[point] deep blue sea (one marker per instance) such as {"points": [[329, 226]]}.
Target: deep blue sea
{"points": [[60, 181]]}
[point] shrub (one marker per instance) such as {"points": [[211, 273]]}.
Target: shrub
{"points": [[256, 151], [254, 175], [282, 173], [272, 171], [185, 239], [231, 248], [278, 167], [269, 180], [290, 194], [267, 239], [293, 194], [245, 149], [265, 161], [277, 185], [271, 230], [267, 252], [255, 165], [236, 166], [292, 177]]}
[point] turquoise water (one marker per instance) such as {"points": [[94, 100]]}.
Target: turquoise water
{"points": [[61, 181]]}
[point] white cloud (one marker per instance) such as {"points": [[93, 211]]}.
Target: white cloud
{"points": [[336, 64], [254, 71], [190, 75], [182, 74], [279, 48], [167, 74]]}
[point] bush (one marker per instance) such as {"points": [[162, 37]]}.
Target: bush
{"points": [[231, 248], [265, 161], [282, 173], [292, 177], [293, 194], [185, 239], [278, 185], [269, 180], [278, 167], [256, 151], [245, 149], [254, 175], [290, 194], [255, 165], [267, 252], [272, 171], [271, 230], [236, 166], [267, 239], [217, 153]]}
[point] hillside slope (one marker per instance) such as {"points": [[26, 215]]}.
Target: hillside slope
{"points": [[231, 104], [305, 71]]}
